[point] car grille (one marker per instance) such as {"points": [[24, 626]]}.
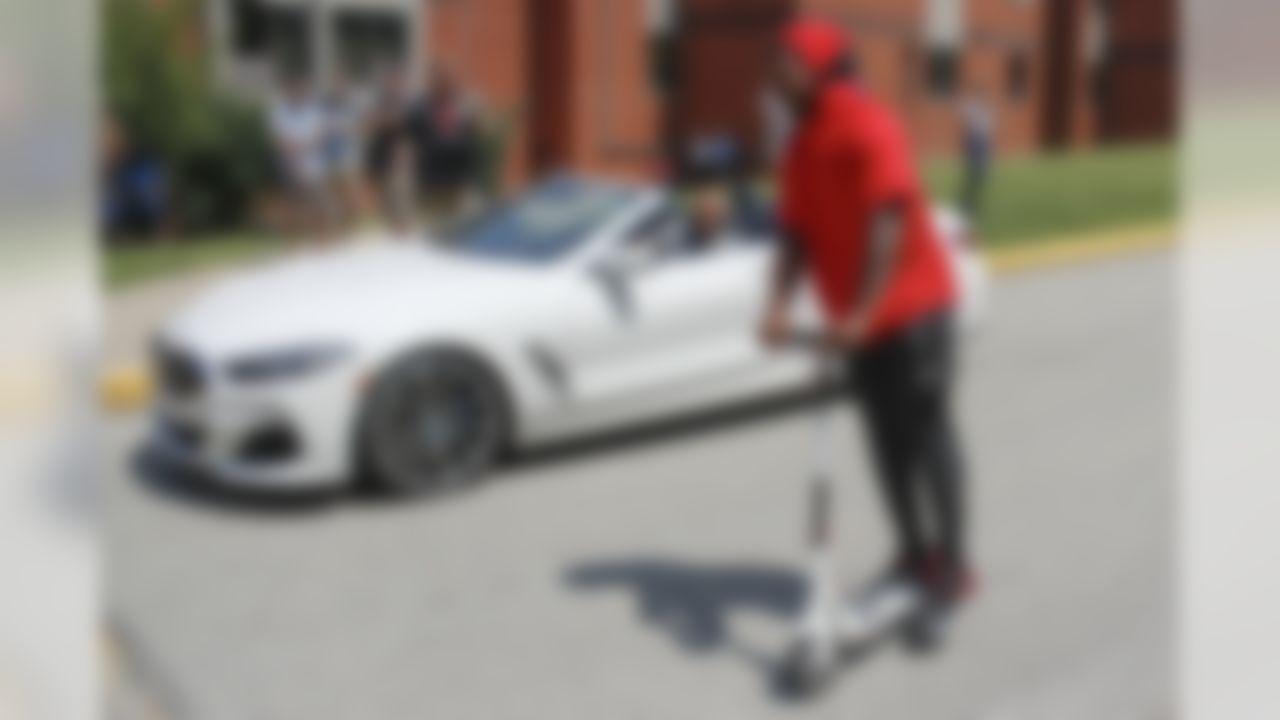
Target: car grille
{"points": [[276, 442], [188, 435], [178, 373]]}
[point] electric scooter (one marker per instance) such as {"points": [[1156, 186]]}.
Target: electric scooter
{"points": [[832, 628]]}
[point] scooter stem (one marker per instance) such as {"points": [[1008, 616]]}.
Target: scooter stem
{"points": [[822, 491], [823, 583]]}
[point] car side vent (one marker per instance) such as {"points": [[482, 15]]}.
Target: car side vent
{"points": [[551, 370]]}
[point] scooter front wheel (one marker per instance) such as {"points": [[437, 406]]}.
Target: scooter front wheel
{"points": [[805, 670]]}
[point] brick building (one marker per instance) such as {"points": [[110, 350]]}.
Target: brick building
{"points": [[571, 79], [1055, 72], [614, 86], [916, 54], [1111, 73]]}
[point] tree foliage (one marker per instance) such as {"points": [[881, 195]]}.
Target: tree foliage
{"points": [[160, 87]]}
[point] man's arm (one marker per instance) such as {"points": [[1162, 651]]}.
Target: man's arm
{"points": [[783, 280], [883, 249], [786, 271]]}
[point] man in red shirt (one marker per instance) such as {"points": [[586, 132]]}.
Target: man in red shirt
{"points": [[857, 222]]}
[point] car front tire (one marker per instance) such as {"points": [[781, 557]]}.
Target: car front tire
{"points": [[436, 421]]}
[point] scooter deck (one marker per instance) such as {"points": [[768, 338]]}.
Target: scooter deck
{"points": [[875, 611], [827, 640]]}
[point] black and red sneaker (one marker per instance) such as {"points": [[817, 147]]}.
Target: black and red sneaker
{"points": [[949, 586], [953, 582]]}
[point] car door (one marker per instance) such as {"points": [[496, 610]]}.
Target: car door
{"points": [[697, 315], [679, 321]]}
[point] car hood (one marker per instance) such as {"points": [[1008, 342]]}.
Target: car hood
{"points": [[358, 295]]}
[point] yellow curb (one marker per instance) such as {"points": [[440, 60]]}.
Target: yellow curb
{"points": [[1075, 249], [129, 387], [125, 387]]}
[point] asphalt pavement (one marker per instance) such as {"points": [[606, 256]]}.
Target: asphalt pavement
{"points": [[652, 576]]}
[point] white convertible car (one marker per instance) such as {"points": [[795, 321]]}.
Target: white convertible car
{"points": [[575, 308]]}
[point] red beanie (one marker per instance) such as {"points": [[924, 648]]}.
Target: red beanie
{"points": [[820, 45]]}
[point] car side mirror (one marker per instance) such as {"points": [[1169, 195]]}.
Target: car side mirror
{"points": [[616, 272], [622, 266]]}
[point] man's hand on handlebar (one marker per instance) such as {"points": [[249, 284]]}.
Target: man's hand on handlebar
{"points": [[775, 327], [778, 331], [847, 335]]}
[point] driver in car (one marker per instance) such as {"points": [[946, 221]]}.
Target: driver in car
{"points": [[708, 227]]}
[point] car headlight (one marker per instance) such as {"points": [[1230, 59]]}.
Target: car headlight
{"points": [[287, 363]]}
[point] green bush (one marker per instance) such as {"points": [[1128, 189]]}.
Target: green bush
{"points": [[159, 87]]}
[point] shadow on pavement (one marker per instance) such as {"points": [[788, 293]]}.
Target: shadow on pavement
{"points": [[693, 604]]}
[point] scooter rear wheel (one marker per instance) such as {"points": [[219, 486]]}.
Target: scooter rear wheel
{"points": [[804, 671]]}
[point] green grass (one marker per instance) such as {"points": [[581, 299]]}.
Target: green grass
{"points": [[131, 263], [1034, 197]]}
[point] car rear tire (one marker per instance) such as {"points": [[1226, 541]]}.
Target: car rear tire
{"points": [[436, 421]]}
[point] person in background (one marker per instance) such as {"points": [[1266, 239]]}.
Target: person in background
{"points": [[716, 160], [390, 151], [297, 124], [446, 130], [345, 108], [135, 188], [856, 221], [978, 133], [776, 121]]}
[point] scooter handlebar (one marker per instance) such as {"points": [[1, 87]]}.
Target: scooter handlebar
{"points": [[810, 339], [815, 342]]}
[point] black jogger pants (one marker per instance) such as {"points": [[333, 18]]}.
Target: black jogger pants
{"points": [[904, 383]]}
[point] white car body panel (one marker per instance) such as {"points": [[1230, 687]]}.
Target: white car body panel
{"points": [[573, 357]]}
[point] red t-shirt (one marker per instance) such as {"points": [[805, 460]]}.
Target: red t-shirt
{"points": [[848, 158]]}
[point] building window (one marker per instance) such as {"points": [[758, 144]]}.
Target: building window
{"points": [[944, 23], [1099, 49], [1098, 33], [1018, 74], [369, 39], [280, 34], [250, 27], [290, 40], [942, 71], [663, 44], [944, 35], [663, 62]]}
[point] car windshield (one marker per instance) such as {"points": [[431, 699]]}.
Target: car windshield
{"points": [[544, 223]]}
